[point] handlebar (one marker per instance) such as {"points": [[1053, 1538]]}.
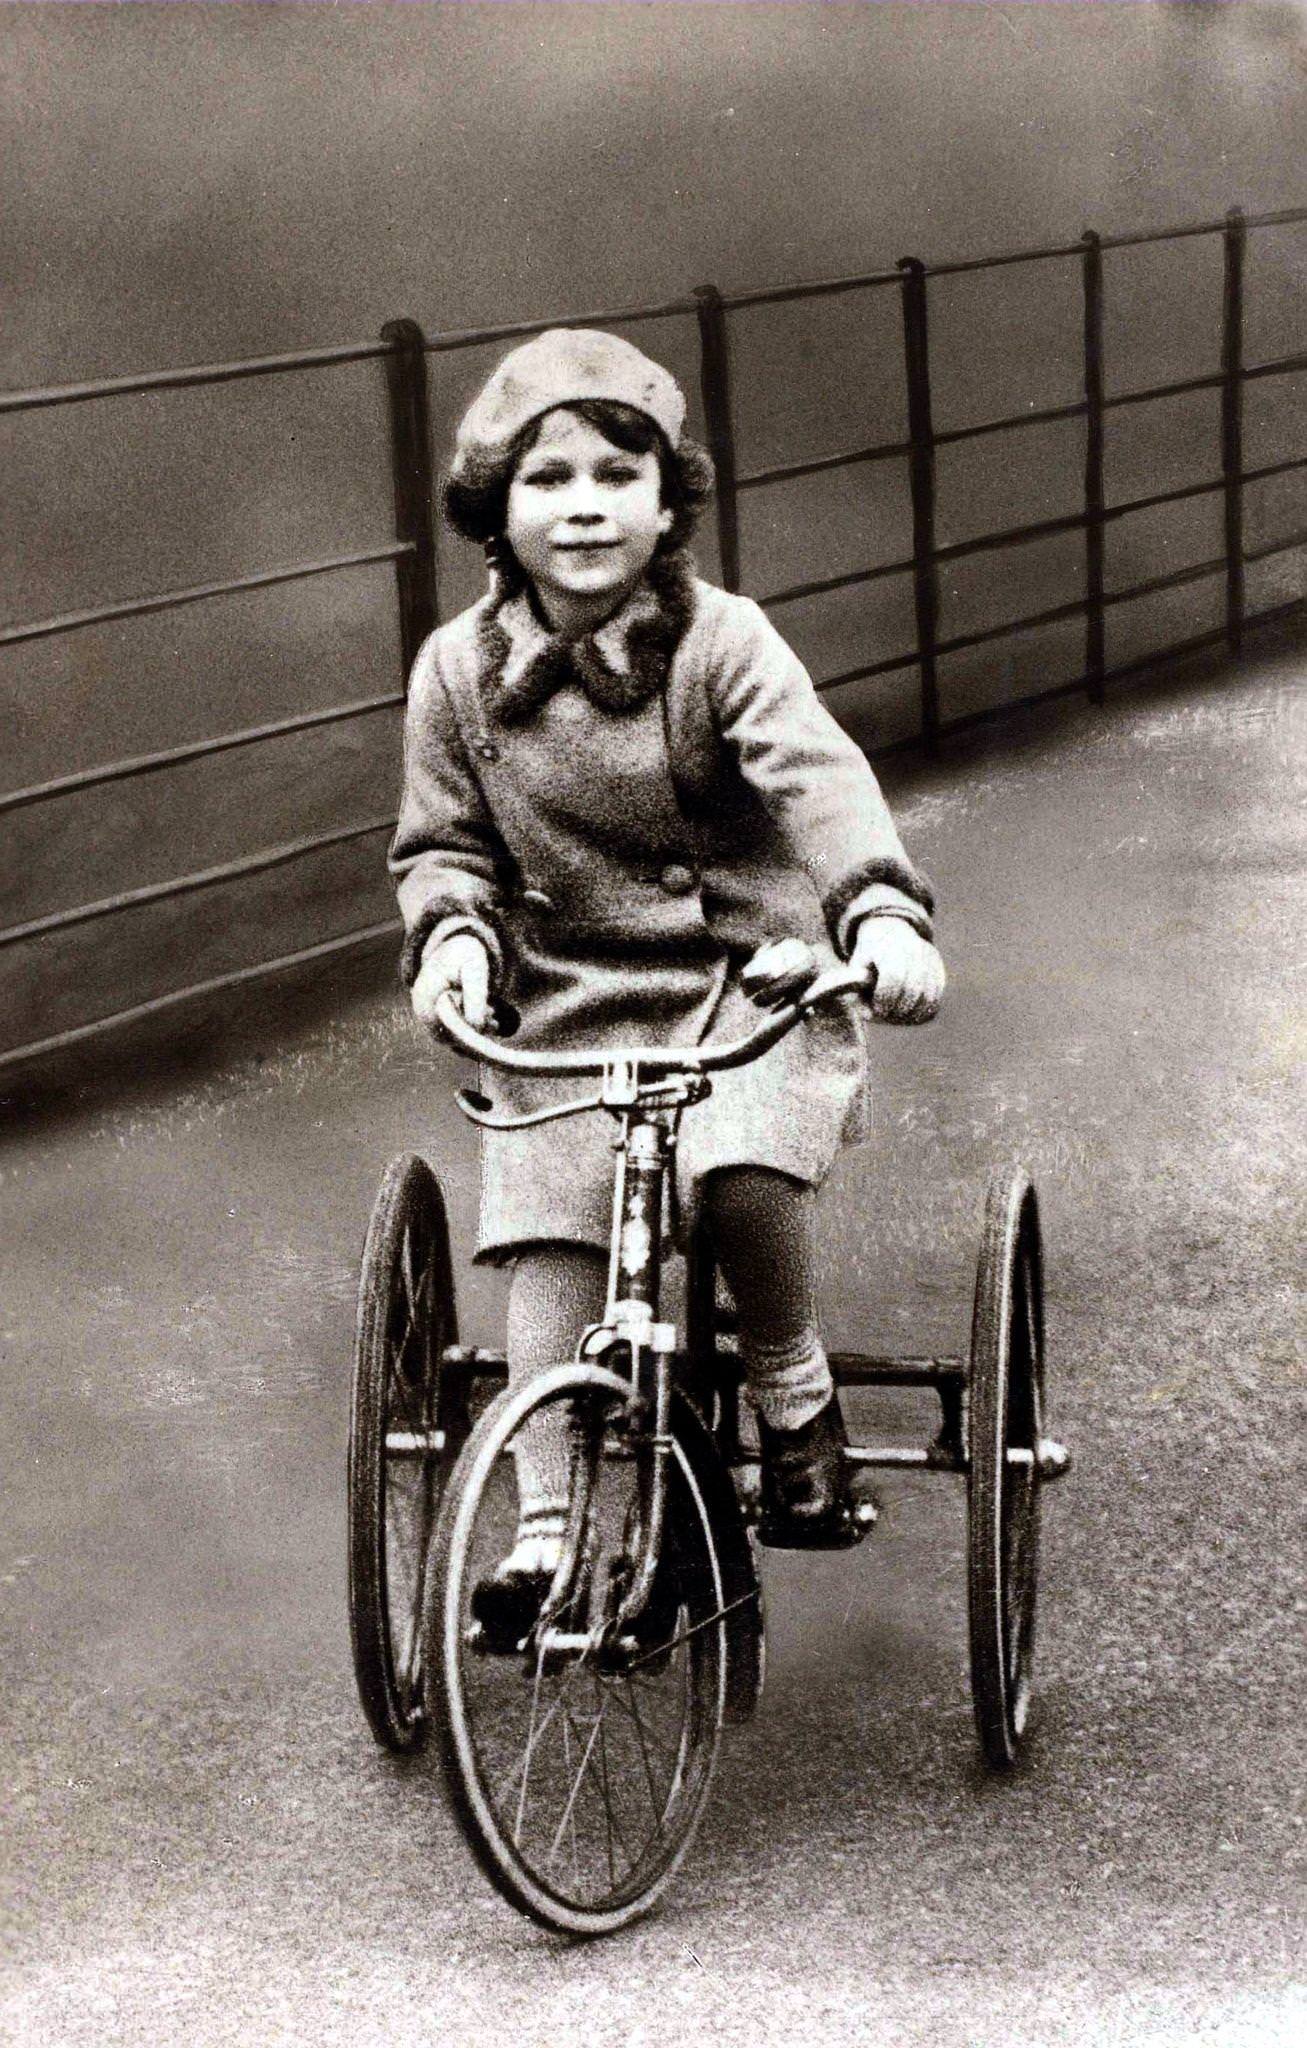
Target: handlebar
{"points": [[654, 1059]]}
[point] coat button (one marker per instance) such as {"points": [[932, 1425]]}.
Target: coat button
{"points": [[676, 880], [536, 899]]}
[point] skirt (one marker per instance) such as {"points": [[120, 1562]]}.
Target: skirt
{"points": [[791, 1111]]}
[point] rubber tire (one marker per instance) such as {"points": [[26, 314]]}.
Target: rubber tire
{"points": [[409, 1194], [746, 1632], [746, 1628], [1005, 1398], [442, 1660]]}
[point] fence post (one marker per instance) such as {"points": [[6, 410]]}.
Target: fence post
{"points": [[412, 473], [1235, 239], [715, 386], [921, 478], [1092, 281]]}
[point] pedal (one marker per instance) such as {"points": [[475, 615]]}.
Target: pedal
{"points": [[845, 1534], [483, 1645], [1052, 1459]]}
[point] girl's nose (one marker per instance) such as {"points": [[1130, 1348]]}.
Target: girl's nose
{"points": [[583, 506]]}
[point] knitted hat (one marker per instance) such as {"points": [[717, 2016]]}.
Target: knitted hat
{"points": [[560, 367]]}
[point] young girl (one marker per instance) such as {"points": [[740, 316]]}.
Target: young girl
{"points": [[621, 790]]}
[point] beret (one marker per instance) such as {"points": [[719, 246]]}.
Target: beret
{"points": [[560, 367]]}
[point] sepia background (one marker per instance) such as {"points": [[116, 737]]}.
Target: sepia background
{"points": [[201, 1843]]}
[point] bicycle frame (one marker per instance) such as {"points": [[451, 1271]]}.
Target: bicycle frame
{"points": [[633, 1342], [647, 1089], [631, 1324]]}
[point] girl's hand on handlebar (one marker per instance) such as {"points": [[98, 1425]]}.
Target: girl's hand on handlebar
{"points": [[459, 965], [909, 972]]}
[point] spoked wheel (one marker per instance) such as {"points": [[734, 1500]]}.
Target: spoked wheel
{"points": [[408, 1418], [1005, 1441], [577, 1761]]}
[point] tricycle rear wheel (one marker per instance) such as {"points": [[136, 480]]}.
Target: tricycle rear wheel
{"points": [[1005, 1400], [408, 1420]]}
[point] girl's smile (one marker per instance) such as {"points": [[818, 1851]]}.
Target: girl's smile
{"points": [[584, 519]]}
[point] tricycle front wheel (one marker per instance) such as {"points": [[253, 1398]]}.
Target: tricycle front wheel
{"points": [[577, 1763], [1004, 1442]]}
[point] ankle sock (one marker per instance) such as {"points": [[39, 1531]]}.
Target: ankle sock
{"points": [[531, 1554], [540, 1528], [788, 1383]]}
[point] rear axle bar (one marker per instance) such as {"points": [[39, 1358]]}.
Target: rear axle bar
{"points": [[855, 1369], [850, 1368]]}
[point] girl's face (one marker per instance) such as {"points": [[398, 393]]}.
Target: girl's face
{"points": [[584, 518]]}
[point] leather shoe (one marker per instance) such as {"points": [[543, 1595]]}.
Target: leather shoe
{"points": [[806, 1502], [507, 1606]]}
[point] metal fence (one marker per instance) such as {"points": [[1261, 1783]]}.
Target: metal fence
{"points": [[403, 349]]}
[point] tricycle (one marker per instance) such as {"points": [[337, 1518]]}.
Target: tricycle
{"points": [[579, 1758]]}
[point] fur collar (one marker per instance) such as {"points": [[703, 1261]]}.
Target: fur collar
{"points": [[620, 666]]}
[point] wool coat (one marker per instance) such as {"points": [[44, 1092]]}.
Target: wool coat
{"points": [[623, 820]]}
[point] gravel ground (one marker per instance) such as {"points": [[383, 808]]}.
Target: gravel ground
{"points": [[202, 1844]]}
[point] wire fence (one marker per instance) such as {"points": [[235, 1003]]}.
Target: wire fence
{"points": [[403, 349]]}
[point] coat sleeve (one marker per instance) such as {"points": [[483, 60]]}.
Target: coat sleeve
{"points": [[446, 856], [813, 780]]}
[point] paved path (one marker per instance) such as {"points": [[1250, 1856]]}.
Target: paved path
{"points": [[203, 1843]]}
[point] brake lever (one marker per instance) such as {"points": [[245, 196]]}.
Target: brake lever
{"points": [[479, 1109]]}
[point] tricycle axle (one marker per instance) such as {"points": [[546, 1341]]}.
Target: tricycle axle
{"points": [[854, 1369]]}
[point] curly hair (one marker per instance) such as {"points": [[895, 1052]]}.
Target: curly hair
{"points": [[476, 504]]}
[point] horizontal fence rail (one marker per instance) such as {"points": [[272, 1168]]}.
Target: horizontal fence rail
{"points": [[403, 350], [169, 600], [196, 750]]}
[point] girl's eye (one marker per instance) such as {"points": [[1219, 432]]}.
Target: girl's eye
{"points": [[543, 479], [618, 473]]}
